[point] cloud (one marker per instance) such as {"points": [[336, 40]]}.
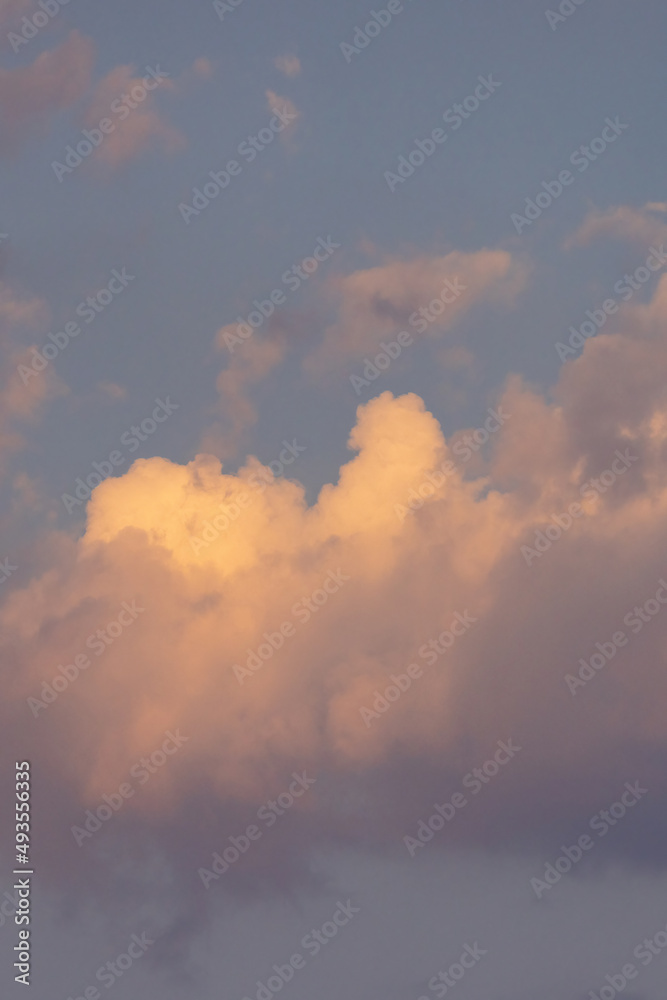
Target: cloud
{"points": [[111, 390], [203, 68], [28, 493], [249, 364], [402, 579], [277, 103], [379, 301], [138, 124], [10, 9], [19, 403], [31, 95], [623, 222], [16, 311], [290, 65]]}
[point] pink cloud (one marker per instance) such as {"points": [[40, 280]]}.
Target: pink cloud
{"points": [[283, 104], [10, 9], [249, 364], [123, 98], [636, 225], [20, 403], [290, 65], [31, 95], [379, 301]]}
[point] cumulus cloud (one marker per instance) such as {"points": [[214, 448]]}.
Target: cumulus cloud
{"points": [[402, 575], [379, 301], [31, 95]]}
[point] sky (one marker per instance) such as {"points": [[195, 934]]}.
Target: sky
{"points": [[333, 499]]}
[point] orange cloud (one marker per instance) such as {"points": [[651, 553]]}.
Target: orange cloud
{"points": [[401, 581]]}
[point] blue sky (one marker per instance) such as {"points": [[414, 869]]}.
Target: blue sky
{"points": [[557, 89]]}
